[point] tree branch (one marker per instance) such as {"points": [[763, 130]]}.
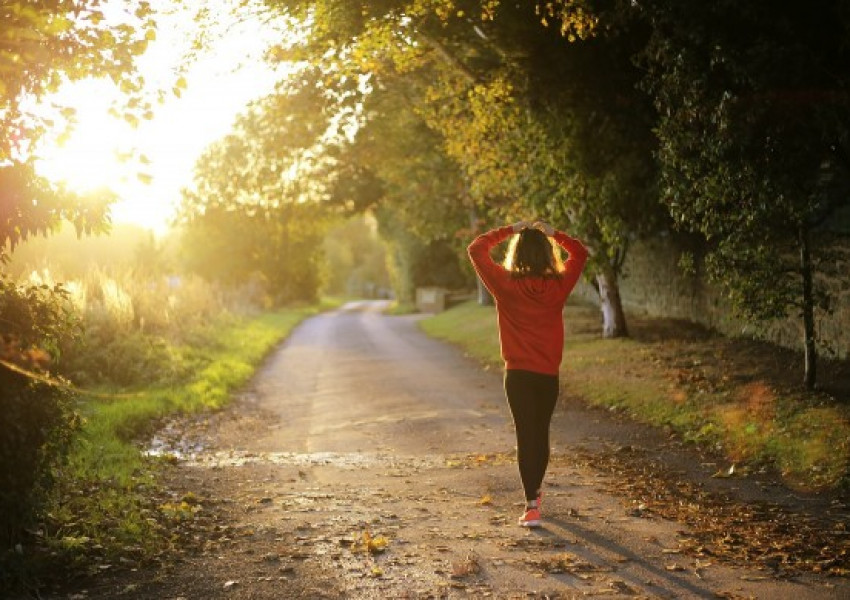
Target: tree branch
{"points": [[450, 58]]}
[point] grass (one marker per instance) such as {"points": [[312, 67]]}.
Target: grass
{"points": [[737, 397], [106, 501]]}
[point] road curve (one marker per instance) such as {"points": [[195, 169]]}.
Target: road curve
{"points": [[355, 380]]}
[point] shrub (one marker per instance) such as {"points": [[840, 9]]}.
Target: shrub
{"points": [[38, 417], [39, 423]]}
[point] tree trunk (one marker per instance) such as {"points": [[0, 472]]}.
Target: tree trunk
{"points": [[811, 356], [484, 296], [613, 317]]}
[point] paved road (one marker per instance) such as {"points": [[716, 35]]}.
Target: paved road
{"points": [[369, 461], [356, 380]]}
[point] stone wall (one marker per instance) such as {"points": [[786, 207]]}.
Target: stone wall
{"points": [[654, 284]]}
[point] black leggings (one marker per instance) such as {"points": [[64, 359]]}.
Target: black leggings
{"points": [[532, 398]]}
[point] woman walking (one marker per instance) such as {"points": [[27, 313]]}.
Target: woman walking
{"points": [[530, 291]]}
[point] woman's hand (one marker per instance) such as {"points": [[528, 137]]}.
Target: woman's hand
{"points": [[520, 225], [544, 227]]}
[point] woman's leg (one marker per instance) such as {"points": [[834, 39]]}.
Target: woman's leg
{"points": [[532, 398]]}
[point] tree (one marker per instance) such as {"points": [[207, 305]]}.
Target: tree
{"points": [[564, 131], [43, 45], [754, 143], [420, 208], [356, 259], [532, 121], [256, 206]]}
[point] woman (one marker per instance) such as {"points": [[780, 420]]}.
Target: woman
{"points": [[530, 291]]}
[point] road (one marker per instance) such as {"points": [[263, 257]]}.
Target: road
{"points": [[369, 461]]}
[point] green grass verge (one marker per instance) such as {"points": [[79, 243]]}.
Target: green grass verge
{"points": [[105, 502], [698, 387]]}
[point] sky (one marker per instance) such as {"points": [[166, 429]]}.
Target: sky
{"points": [[220, 83]]}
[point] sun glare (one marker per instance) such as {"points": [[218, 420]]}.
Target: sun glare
{"points": [[89, 158], [220, 83]]}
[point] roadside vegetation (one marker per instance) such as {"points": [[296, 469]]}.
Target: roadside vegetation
{"points": [[736, 398], [122, 352]]}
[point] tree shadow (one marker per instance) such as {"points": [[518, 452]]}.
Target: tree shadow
{"points": [[634, 569]]}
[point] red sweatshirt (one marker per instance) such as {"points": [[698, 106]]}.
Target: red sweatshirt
{"points": [[529, 309]]}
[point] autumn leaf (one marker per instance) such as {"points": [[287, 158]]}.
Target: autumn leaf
{"points": [[370, 544]]}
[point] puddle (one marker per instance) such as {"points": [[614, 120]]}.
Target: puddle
{"points": [[345, 460], [170, 442]]}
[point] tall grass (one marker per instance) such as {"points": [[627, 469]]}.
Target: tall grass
{"points": [[134, 327]]}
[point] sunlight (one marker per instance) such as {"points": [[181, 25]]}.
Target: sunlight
{"points": [[89, 158], [220, 82]]}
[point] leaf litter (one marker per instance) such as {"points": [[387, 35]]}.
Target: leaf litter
{"points": [[773, 537]]}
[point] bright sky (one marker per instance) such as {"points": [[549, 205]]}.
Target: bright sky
{"points": [[220, 83]]}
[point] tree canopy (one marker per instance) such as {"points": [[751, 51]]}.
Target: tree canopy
{"points": [[618, 120], [533, 121], [43, 45], [255, 209]]}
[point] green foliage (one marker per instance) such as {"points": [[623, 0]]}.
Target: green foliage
{"points": [[44, 45], [280, 248], [754, 138], [34, 322], [38, 419], [130, 358], [356, 259], [397, 167], [39, 423], [754, 135], [254, 210]]}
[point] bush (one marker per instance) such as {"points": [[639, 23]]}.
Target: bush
{"points": [[39, 425], [38, 417]]}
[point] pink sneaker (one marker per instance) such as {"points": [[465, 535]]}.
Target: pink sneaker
{"points": [[531, 518]]}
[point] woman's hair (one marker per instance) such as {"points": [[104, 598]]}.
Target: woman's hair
{"points": [[532, 254]]}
